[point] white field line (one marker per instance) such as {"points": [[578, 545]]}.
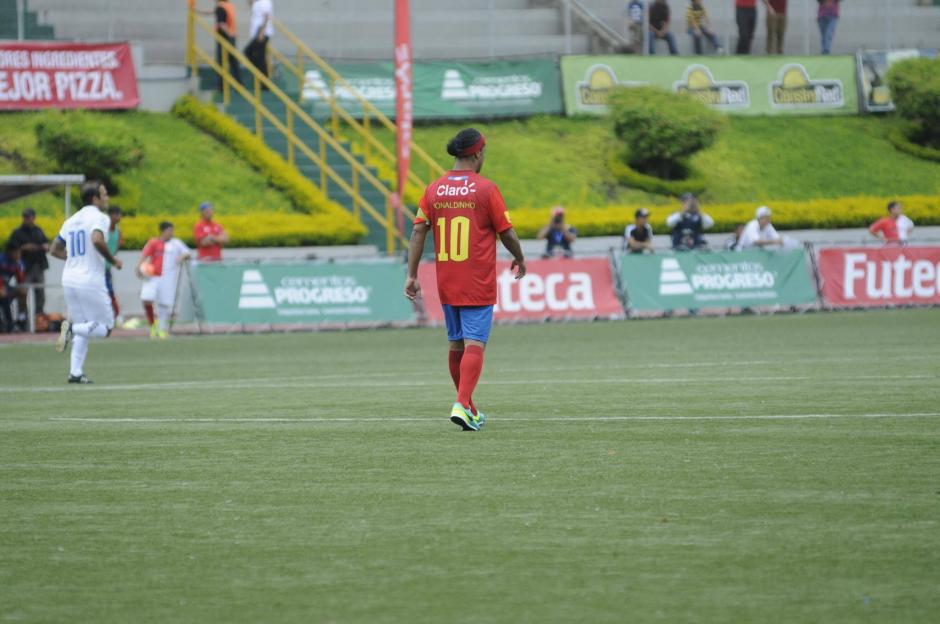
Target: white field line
{"points": [[560, 419], [307, 382]]}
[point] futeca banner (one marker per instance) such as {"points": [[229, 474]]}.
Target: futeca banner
{"points": [[66, 75], [444, 89], [774, 85], [557, 289], [859, 277], [306, 293], [714, 279]]}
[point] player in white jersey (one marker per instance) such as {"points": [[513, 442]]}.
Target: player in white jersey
{"points": [[83, 244], [175, 253]]}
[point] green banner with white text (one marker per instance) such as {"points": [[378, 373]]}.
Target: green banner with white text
{"points": [[303, 293], [711, 279], [443, 89], [777, 85]]}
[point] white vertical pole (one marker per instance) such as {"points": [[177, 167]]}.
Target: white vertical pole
{"points": [[567, 21], [806, 27], [20, 19]]}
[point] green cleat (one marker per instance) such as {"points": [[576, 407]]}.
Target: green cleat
{"points": [[464, 418]]}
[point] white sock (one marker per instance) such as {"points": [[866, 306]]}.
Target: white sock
{"points": [[90, 330], [163, 317], [79, 351]]}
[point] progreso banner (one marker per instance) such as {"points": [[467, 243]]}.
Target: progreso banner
{"points": [[557, 289], [742, 85], [66, 75], [716, 280], [444, 89], [302, 293], [865, 277]]}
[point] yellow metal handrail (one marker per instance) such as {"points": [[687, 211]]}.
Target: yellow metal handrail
{"points": [[292, 109], [434, 169]]}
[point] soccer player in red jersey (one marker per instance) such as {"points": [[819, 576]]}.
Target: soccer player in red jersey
{"points": [[467, 213]]}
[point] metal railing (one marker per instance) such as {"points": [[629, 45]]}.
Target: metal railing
{"points": [[575, 10], [293, 111], [370, 112]]}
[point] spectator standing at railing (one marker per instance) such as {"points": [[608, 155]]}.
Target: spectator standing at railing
{"points": [[209, 235], [827, 18], [559, 236], [33, 245], [638, 236], [759, 232], [699, 25], [745, 15], [776, 25], [260, 33], [227, 28], [895, 228], [659, 27], [689, 224], [12, 276]]}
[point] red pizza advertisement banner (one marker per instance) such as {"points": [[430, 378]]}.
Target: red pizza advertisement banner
{"points": [[860, 277], [556, 289], [66, 75]]}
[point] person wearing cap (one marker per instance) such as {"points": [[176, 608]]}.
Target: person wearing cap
{"points": [[209, 235], [759, 233], [638, 237], [688, 225], [33, 245], [559, 235]]}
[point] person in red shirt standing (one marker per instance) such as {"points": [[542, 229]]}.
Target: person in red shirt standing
{"points": [[467, 214], [209, 236], [149, 269], [894, 228]]}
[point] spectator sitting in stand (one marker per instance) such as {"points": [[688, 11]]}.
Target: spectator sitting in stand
{"points": [[659, 27], [759, 232], [699, 26], [638, 237], [559, 235], [12, 274], [733, 242], [895, 228], [688, 225]]}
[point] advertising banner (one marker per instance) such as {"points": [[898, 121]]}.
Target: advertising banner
{"points": [[555, 289], [302, 293], [873, 277], [873, 66], [66, 75], [444, 89], [712, 279], [777, 85]]}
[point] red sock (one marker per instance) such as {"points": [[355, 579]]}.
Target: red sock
{"points": [[148, 310], [471, 365], [453, 360]]}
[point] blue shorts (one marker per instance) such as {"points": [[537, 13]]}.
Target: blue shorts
{"points": [[470, 322]]}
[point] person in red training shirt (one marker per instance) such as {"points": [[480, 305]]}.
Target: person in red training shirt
{"points": [[149, 269], [894, 228], [467, 214], [209, 235]]}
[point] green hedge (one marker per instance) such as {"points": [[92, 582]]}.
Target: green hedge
{"points": [[899, 140], [629, 177], [915, 89]]}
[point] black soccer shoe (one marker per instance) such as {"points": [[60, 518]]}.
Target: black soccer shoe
{"points": [[80, 379]]}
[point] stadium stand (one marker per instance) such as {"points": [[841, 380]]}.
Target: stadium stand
{"points": [[32, 29], [360, 29]]}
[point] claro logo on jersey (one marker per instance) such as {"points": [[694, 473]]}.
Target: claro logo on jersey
{"points": [[794, 89], [462, 187], [303, 295], [552, 292], [721, 94]]}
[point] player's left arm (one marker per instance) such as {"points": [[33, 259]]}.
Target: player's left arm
{"points": [[499, 216], [101, 244]]}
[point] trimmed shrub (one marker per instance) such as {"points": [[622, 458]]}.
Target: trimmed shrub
{"points": [[661, 129], [79, 145], [898, 138], [915, 89], [624, 174]]}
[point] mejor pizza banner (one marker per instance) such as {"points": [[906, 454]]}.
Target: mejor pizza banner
{"points": [[865, 277], [555, 289], [741, 85], [66, 75], [691, 280], [443, 89], [309, 293]]}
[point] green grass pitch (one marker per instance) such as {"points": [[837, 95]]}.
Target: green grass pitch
{"points": [[751, 469]]}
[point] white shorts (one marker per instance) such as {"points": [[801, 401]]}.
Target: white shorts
{"points": [[148, 290], [89, 305], [166, 291]]}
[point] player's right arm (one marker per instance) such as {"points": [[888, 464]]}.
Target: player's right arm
{"points": [[58, 249], [100, 242], [419, 234]]}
